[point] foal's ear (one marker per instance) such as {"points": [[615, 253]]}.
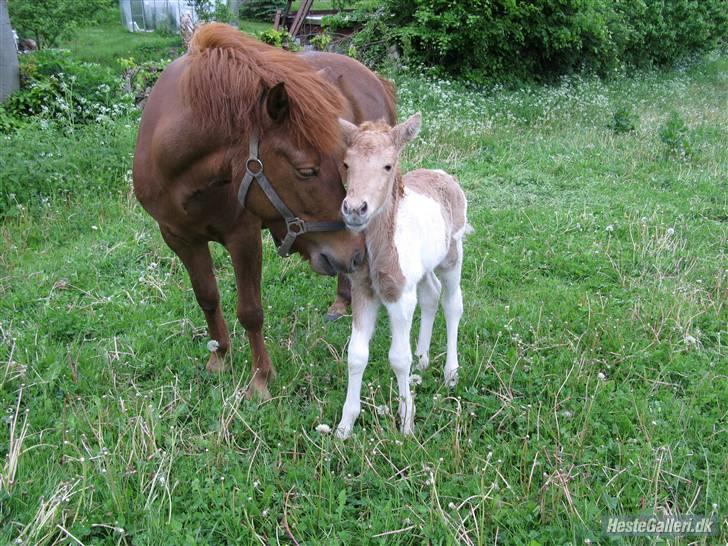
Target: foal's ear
{"points": [[276, 103], [407, 130], [348, 130]]}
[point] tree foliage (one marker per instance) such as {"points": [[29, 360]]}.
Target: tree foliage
{"points": [[47, 21], [482, 39]]}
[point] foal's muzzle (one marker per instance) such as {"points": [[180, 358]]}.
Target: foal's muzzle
{"points": [[355, 214]]}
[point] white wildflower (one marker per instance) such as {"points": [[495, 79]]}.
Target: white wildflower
{"points": [[670, 232], [213, 346], [610, 228], [415, 379], [601, 376], [323, 429], [383, 410]]}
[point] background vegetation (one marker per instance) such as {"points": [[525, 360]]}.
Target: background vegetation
{"points": [[484, 40], [593, 380]]}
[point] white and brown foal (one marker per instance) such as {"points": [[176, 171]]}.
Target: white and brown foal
{"points": [[414, 227]]}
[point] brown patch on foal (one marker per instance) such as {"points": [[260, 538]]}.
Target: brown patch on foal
{"points": [[445, 190]]}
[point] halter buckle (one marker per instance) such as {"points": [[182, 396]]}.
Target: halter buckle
{"points": [[295, 226]]}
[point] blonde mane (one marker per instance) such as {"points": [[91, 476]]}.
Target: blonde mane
{"points": [[227, 73]]}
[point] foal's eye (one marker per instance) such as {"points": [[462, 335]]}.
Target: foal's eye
{"points": [[387, 167], [306, 173]]}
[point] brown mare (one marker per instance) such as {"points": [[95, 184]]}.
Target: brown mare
{"points": [[228, 106]]}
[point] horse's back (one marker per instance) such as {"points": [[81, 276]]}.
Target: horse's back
{"points": [[368, 96]]}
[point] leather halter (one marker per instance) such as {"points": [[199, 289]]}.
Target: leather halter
{"points": [[295, 226]]}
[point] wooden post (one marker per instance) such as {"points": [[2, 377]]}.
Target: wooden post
{"points": [[300, 17]]}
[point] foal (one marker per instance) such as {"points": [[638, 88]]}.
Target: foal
{"points": [[414, 227]]}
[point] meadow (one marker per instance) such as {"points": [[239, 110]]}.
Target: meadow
{"points": [[594, 367]]}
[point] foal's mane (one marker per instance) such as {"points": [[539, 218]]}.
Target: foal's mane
{"points": [[227, 73]]}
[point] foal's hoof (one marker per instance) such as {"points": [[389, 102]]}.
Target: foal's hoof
{"points": [[336, 311], [451, 378], [343, 432], [216, 364]]}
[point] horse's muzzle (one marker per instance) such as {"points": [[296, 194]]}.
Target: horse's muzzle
{"points": [[326, 264]]}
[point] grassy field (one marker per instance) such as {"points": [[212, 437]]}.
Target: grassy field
{"points": [[594, 368]]}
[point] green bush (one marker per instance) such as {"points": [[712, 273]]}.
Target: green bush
{"points": [[675, 136], [624, 120], [486, 39], [57, 87]]}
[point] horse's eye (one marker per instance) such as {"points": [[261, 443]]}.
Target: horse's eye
{"points": [[387, 167], [306, 173]]}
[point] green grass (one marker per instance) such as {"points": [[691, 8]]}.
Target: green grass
{"points": [[108, 42], [593, 359]]}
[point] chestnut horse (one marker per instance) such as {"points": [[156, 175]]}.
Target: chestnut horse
{"points": [[238, 136]]}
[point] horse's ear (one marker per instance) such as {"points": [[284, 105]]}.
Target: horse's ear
{"points": [[407, 130], [326, 74], [348, 130], [276, 103]]}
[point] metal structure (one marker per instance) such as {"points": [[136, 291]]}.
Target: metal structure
{"points": [[9, 71], [150, 15]]}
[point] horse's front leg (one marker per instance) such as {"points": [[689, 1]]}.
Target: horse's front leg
{"points": [[400, 354], [343, 299], [246, 252], [198, 262], [364, 310]]}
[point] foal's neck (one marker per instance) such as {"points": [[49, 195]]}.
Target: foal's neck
{"points": [[380, 232]]}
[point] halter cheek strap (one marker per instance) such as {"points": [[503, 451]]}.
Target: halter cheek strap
{"points": [[295, 226]]}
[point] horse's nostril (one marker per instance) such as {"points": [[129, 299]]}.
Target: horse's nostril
{"points": [[345, 207], [363, 208]]}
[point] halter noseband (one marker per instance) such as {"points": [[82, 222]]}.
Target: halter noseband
{"points": [[295, 226]]}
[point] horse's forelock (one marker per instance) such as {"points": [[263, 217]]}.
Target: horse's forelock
{"points": [[227, 72]]}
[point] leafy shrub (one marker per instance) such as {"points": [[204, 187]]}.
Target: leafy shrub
{"points": [[624, 120], [57, 87], [261, 10], [279, 38], [321, 41], [212, 10], [139, 78], [674, 134], [486, 39]]}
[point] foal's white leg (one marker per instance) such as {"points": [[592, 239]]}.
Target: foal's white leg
{"points": [[400, 355], [364, 310], [452, 304], [428, 296]]}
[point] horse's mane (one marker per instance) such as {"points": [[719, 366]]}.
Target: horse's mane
{"points": [[227, 73]]}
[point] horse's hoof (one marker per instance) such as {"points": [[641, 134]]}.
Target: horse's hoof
{"points": [[257, 390], [216, 364], [335, 312]]}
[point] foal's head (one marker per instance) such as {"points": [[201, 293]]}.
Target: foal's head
{"points": [[372, 167]]}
